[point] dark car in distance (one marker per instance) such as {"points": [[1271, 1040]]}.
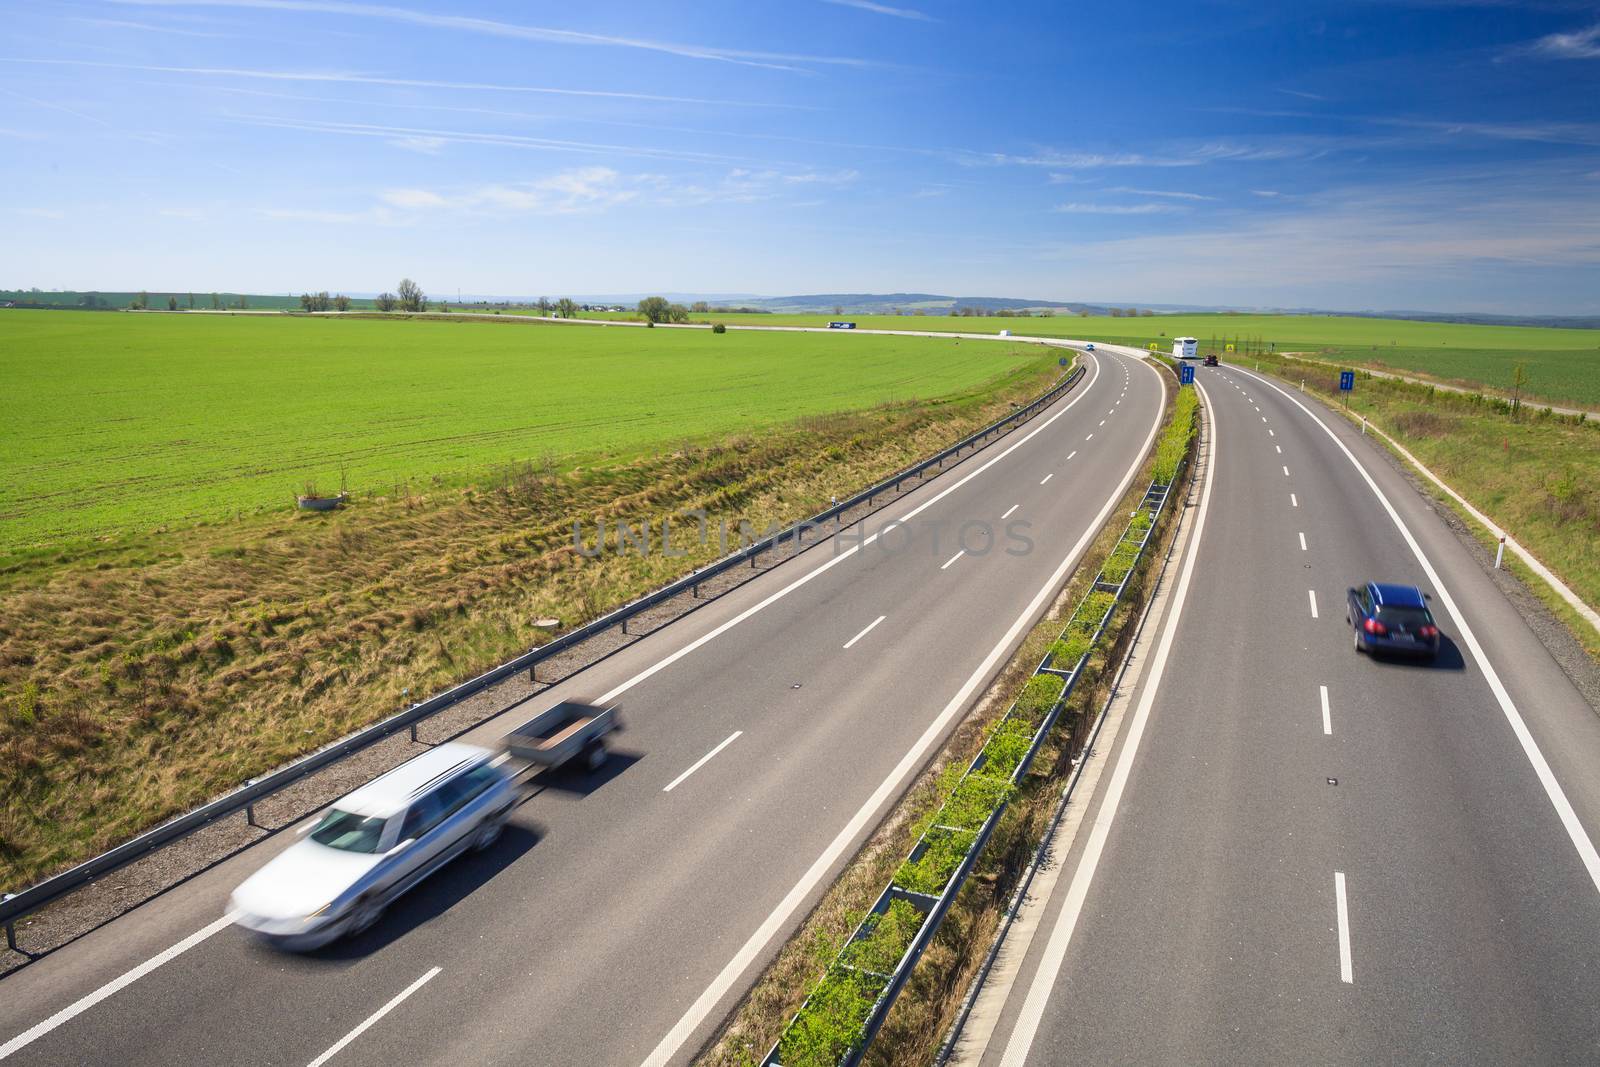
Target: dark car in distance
{"points": [[1392, 618], [1211, 360]]}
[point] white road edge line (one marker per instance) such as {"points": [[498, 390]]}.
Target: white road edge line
{"points": [[1312, 593], [1530, 747], [83, 1004], [66, 1014], [1327, 718], [1009, 510], [1342, 908], [909, 763], [1032, 1013], [955, 557], [731, 738], [880, 618], [374, 1017]]}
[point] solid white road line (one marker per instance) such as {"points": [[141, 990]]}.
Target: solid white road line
{"points": [[1033, 1008], [880, 618], [83, 1004], [1302, 540], [1342, 908], [957, 556], [1327, 718], [374, 1017], [1047, 477], [1312, 593], [891, 785], [1293, 503], [1014, 507], [1541, 767], [703, 760]]}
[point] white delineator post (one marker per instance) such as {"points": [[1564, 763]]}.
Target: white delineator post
{"points": [[1499, 552]]}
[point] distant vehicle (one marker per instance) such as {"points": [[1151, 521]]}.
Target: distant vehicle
{"points": [[1392, 618], [841, 325], [374, 845], [1184, 347], [1211, 360], [1089, 347]]}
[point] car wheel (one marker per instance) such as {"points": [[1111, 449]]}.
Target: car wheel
{"points": [[368, 911], [595, 757], [488, 833], [1357, 639]]}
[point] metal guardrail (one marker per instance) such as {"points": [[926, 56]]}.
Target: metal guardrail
{"points": [[16, 906], [934, 907]]}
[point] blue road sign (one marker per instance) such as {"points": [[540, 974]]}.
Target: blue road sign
{"points": [[1186, 374], [1347, 380], [1062, 362]]}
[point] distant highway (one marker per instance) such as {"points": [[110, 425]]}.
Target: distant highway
{"points": [[1297, 854], [624, 913]]}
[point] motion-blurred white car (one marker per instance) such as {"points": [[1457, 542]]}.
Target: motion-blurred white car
{"points": [[376, 843]]}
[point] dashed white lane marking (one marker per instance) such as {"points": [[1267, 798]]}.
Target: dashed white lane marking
{"points": [[880, 618], [1074, 452], [1102, 422], [1293, 503], [1286, 471], [1270, 433], [1014, 507], [1302, 540], [1279, 448], [1263, 418], [1312, 593], [1047, 477], [1089, 438], [703, 760], [374, 1017], [83, 1004], [1327, 718], [1342, 908], [953, 558]]}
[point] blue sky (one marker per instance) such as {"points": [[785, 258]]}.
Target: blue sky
{"points": [[1358, 155]]}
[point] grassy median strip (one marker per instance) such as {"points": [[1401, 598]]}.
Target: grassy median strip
{"points": [[951, 817], [142, 676], [1530, 470]]}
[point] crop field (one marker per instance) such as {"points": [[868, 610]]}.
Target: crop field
{"points": [[113, 422], [1563, 365]]}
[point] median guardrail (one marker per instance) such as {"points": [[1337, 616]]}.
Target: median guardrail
{"points": [[18, 905], [837, 1023]]}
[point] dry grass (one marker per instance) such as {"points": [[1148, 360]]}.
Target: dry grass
{"points": [[139, 679]]}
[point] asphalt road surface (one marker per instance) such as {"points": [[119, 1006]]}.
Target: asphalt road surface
{"points": [[624, 912], [1313, 856]]}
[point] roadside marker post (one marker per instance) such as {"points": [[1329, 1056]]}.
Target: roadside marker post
{"points": [[1499, 551]]}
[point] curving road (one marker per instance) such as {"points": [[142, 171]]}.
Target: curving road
{"points": [[1300, 854], [624, 913]]}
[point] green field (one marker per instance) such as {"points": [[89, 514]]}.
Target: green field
{"points": [[1563, 365], [114, 422]]}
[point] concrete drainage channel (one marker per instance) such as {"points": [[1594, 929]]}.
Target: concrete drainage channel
{"points": [[314, 780]]}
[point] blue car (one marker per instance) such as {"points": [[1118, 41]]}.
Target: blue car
{"points": [[1392, 618]]}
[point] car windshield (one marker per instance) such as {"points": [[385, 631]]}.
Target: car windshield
{"points": [[1410, 618], [350, 833]]}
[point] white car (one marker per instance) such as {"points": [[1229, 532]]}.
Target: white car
{"points": [[376, 843]]}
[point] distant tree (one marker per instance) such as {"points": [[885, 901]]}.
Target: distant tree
{"points": [[172, 303], [1116, 313], [953, 312], [244, 303], [444, 307], [386, 301], [141, 301], [305, 301], [543, 304], [341, 302], [1519, 381], [1132, 313], [567, 308], [677, 313], [654, 309], [412, 298], [837, 310], [719, 328], [216, 301], [191, 301], [699, 307], [1047, 313], [1083, 314], [1147, 312]]}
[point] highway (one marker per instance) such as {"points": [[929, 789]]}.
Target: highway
{"points": [[624, 913], [1296, 853]]}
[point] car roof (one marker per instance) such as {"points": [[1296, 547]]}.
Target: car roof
{"points": [[1398, 596], [394, 790]]}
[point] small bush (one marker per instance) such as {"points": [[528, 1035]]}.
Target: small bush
{"points": [[1066, 652], [719, 328], [1006, 747], [974, 800], [890, 935], [833, 1021], [1039, 696], [930, 872]]}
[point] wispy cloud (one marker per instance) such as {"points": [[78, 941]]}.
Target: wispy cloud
{"points": [[352, 78], [884, 9], [492, 27], [1213, 152], [566, 193], [1160, 192], [1300, 93], [1270, 194], [1580, 44], [145, 27], [1116, 209]]}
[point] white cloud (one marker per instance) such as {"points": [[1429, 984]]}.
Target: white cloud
{"points": [[412, 199], [426, 145], [1160, 192], [1300, 93], [1269, 193], [1580, 44], [884, 9], [568, 192], [1115, 209], [838, 177]]}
